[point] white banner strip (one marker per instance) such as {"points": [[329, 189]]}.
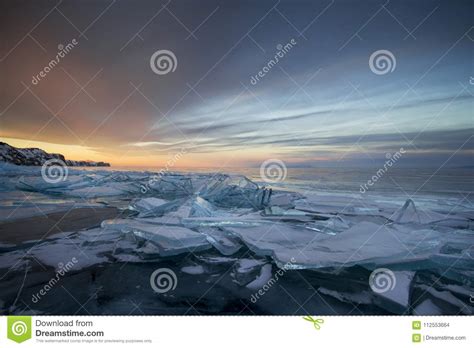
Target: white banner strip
{"points": [[236, 331]]}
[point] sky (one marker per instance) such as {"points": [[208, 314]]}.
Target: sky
{"points": [[321, 104]]}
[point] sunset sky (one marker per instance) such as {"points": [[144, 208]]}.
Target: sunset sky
{"points": [[320, 105]]}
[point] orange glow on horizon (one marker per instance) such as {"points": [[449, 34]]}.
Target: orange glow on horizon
{"points": [[135, 157]]}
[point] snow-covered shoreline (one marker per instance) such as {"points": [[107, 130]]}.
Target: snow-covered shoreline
{"points": [[38, 157]]}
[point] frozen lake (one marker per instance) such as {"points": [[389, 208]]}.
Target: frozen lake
{"points": [[232, 243]]}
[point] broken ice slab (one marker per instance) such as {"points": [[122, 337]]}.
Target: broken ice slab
{"points": [[112, 189], [225, 191], [151, 206], [278, 213], [217, 260], [361, 297], [423, 210], [220, 189], [81, 186], [247, 270], [226, 221], [37, 183], [395, 296], [331, 226], [168, 185], [90, 247], [146, 204], [351, 204], [427, 307], [235, 191], [446, 300], [170, 240], [60, 252], [323, 223], [409, 213], [363, 243], [56, 251], [225, 242], [169, 213], [262, 279], [13, 261], [16, 205], [202, 208], [284, 199], [194, 270]]}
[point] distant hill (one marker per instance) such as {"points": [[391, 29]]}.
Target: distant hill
{"points": [[37, 157]]}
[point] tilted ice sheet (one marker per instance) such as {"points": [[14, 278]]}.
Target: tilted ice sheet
{"points": [[171, 240], [363, 243], [225, 242], [398, 209]]}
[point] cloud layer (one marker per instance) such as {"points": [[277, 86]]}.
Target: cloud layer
{"points": [[319, 103]]}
